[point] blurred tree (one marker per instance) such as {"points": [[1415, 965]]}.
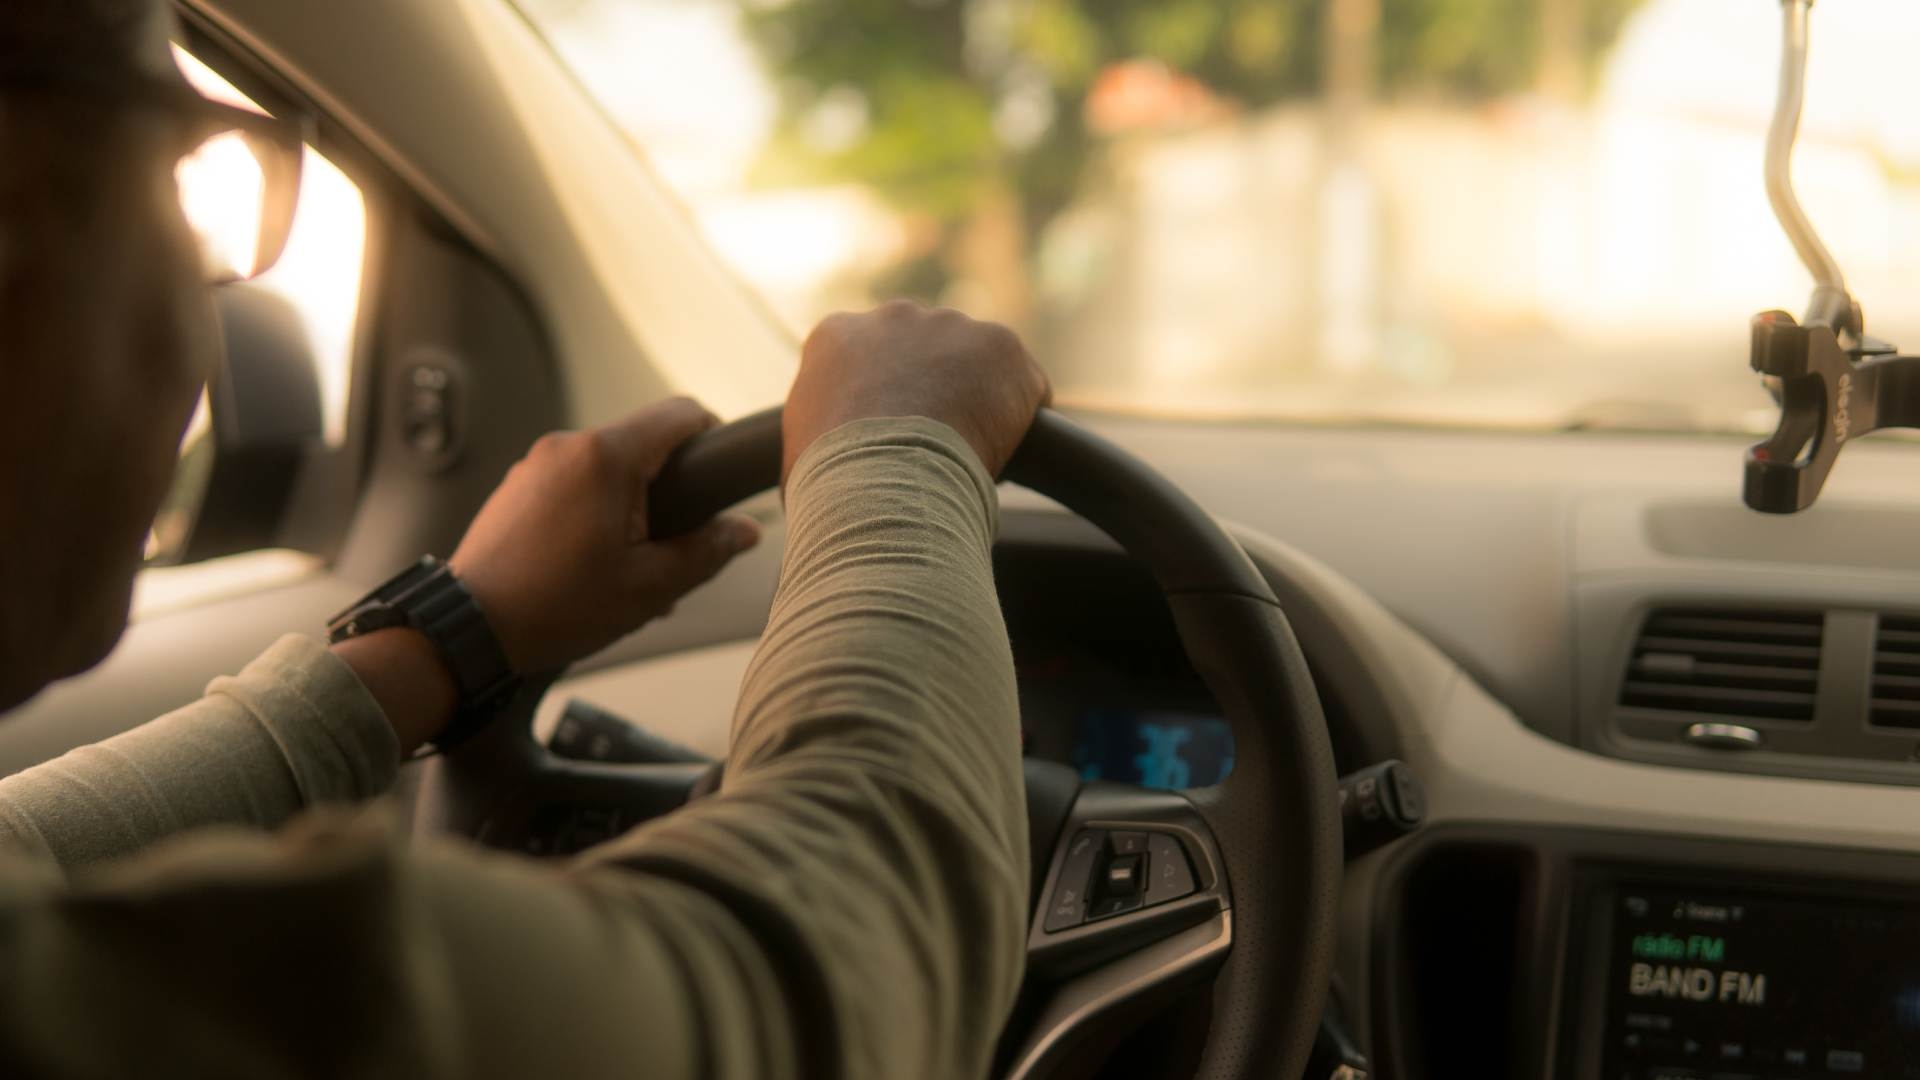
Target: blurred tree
{"points": [[972, 114], [1481, 48]]}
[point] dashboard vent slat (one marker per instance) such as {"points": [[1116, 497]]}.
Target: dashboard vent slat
{"points": [[1762, 665], [1721, 700], [1735, 629], [1907, 641], [1801, 655], [1889, 713], [1895, 698], [1886, 663], [1681, 668]]}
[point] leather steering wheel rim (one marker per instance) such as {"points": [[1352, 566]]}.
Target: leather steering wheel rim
{"points": [[1275, 818]]}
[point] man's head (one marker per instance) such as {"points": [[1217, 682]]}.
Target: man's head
{"points": [[106, 331]]}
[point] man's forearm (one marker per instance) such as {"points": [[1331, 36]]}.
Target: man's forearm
{"points": [[406, 675], [294, 729], [871, 830]]}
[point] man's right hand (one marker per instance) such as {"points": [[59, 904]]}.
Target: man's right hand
{"points": [[902, 359]]}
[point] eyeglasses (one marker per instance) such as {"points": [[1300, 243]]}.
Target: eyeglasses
{"points": [[232, 160]]}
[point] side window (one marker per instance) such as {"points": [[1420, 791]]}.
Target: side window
{"points": [[314, 288]]}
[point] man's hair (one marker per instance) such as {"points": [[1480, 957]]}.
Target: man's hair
{"points": [[89, 32]]}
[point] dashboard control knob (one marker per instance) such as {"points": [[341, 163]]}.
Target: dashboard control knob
{"points": [[1715, 736]]}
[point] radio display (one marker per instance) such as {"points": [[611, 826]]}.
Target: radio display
{"points": [[1703, 983]]}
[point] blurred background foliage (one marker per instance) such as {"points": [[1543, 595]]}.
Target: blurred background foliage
{"points": [[957, 111], [1402, 211]]}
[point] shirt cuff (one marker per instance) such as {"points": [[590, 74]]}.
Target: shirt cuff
{"points": [[334, 736]]}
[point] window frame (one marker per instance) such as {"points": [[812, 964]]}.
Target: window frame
{"points": [[320, 509]]}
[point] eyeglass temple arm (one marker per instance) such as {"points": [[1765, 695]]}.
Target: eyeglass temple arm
{"points": [[280, 159]]}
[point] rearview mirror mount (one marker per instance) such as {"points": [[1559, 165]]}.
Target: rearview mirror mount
{"points": [[1833, 382]]}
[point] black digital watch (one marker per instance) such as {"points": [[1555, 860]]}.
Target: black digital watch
{"points": [[429, 598]]}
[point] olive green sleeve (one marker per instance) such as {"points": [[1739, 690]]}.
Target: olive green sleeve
{"points": [[294, 730], [850, 905], [871, 832]]}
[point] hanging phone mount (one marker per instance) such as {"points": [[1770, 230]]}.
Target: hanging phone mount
{"points": [[1833, 382]]}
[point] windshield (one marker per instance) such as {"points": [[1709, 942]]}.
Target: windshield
{"points": [[1511, 213]]}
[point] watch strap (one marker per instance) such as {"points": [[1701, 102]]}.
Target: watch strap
{"points": [[442, 609], [428, 597]]}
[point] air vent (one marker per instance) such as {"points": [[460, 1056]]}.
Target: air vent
{"points": [[1896, 672], [1734, 662]]}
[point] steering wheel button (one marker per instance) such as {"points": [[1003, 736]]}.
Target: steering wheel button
{"points": [[1067, 907], [1114, 905], [1169, 877], [1123, 875], [1129, 843]]}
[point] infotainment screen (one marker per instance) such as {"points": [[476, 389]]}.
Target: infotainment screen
{"points": [[1750, 984]]}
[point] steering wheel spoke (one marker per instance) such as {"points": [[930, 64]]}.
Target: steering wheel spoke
{"points": [[1134, 908], [1132, 865]]}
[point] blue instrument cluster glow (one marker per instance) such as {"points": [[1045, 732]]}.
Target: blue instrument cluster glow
{"points": [[1154, 749]]}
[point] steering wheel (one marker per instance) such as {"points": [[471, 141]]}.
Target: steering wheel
{"points": [[1137, 892]]}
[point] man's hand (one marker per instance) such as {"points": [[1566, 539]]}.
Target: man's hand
{"points": [[559, 558], [902, 359]]}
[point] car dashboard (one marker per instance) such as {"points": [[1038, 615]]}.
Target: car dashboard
{"points": [[1475, 605], [1547, 919], [1535, 625], [1564, 912]]}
